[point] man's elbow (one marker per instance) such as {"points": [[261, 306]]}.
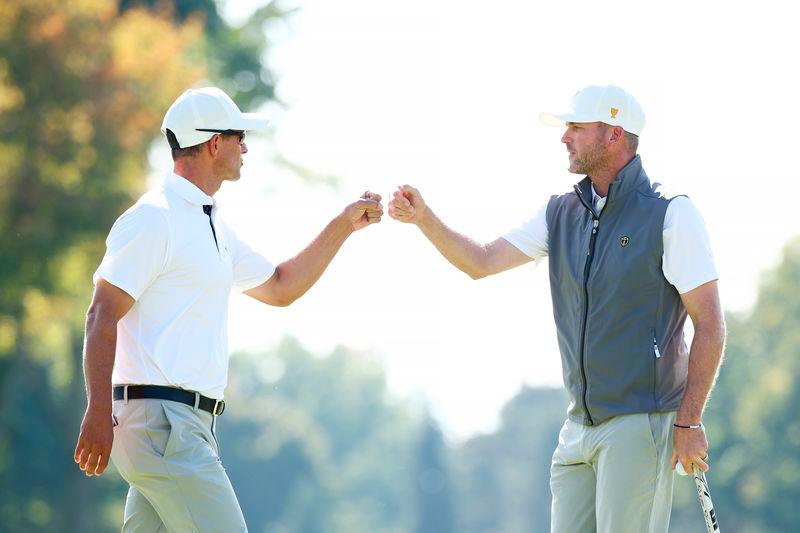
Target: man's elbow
{"points": [[718, 328], [714, 330], [99, 321], [723, 333], [281, 301], [95, 315], [279, 298], [479, 269], [482, 264], [477, 274], [275, 291]]}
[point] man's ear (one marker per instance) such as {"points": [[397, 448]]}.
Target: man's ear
{"points": [[617, 134], [213, 145]]}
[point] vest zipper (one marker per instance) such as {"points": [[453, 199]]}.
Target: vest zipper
{"points": [[586, 269]]}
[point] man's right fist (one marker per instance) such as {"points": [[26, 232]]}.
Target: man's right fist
{"points": [[407, 205]]}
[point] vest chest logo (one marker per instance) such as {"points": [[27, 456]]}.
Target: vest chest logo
{"points": [[624, 241]]}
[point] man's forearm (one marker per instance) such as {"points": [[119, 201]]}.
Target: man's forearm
{"points": [[705, 357], [98, 359], [300, 273], [464, 253]]}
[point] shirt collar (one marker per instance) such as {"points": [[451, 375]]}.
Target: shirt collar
{"points": [[595, 196], [187, 190], [598, 202]]}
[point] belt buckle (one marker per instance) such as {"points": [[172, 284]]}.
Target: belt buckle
{"points": [[219, 407]]}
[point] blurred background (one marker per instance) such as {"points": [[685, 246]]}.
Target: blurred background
{"points": [[397, 395]]}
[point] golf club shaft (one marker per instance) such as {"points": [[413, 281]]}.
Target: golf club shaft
{"points": [[704, 494]]}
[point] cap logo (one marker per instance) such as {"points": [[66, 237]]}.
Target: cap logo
{"points": [[624, 241], [614, 112]]}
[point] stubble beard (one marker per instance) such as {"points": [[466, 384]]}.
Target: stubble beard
{"points": [[594, 159]]}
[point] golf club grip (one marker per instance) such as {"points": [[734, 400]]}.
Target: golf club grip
{"points": [[704, 494]]}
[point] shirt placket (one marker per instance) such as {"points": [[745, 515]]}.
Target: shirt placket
{"points": [[207, 211]]}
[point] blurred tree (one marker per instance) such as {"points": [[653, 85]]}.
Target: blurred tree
{"points": [[316, 444], [83, 88], [435, 513], [235, 54], [82, 91], [312, 444], [504, 477], [752, 420]]}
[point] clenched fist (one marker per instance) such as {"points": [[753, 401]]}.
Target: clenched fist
{"points": [[407, 205], [365, 211]]}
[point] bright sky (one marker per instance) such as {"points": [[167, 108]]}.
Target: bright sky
{"points": [[445, 96]]}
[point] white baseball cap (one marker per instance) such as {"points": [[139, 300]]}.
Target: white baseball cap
{"points": [[608, 104], [199, 114]]}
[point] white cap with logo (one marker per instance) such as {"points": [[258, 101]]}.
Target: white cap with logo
{"points": [[608, 104], [197, 111]]}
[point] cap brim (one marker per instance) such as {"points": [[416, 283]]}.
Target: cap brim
{"points": [[559, 120], [549, 119], [251, 121]]}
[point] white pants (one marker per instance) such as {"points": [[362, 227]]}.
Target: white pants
{"points": [[169, 455], [615, 477]]}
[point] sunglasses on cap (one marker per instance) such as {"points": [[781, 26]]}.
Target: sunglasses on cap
{"points": [[241, 134]]}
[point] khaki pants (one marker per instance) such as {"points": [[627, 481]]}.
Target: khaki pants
{"points": [[169, 455], [615, 477]]}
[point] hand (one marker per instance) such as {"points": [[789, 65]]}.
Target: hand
{"points": [[407, 205], [94, 443], [690, 447], [368, 210]]}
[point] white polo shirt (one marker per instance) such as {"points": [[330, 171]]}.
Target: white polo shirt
{"points": [[162, 252], [687, 261]]}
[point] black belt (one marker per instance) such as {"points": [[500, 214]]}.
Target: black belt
{"points": [[158, 392]]}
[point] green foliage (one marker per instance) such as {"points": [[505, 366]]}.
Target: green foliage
{"points": [[312, 444], [752, 419], [752, 425], [83, 89], [235, 54], [504, 476], [316, 444], [435, 513]]}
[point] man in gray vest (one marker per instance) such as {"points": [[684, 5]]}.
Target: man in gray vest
{"points": [[627, 264]]}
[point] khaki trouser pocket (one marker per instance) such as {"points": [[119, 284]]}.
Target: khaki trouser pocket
{"points": [[158, 427]]}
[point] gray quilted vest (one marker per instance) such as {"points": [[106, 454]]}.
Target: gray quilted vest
{"points": [[619, 321]]}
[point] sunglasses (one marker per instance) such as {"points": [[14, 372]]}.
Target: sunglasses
{"points": [[241, 134]]}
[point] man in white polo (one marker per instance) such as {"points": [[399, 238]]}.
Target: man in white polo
{"points": [[156, 328], [627, 264]]}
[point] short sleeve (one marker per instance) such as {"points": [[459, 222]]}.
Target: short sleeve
{"points": [[136, 250], [530, 237], [250, 268], [688, 261]]}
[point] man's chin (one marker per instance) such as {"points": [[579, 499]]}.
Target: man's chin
{"points": [[574, 165]]}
